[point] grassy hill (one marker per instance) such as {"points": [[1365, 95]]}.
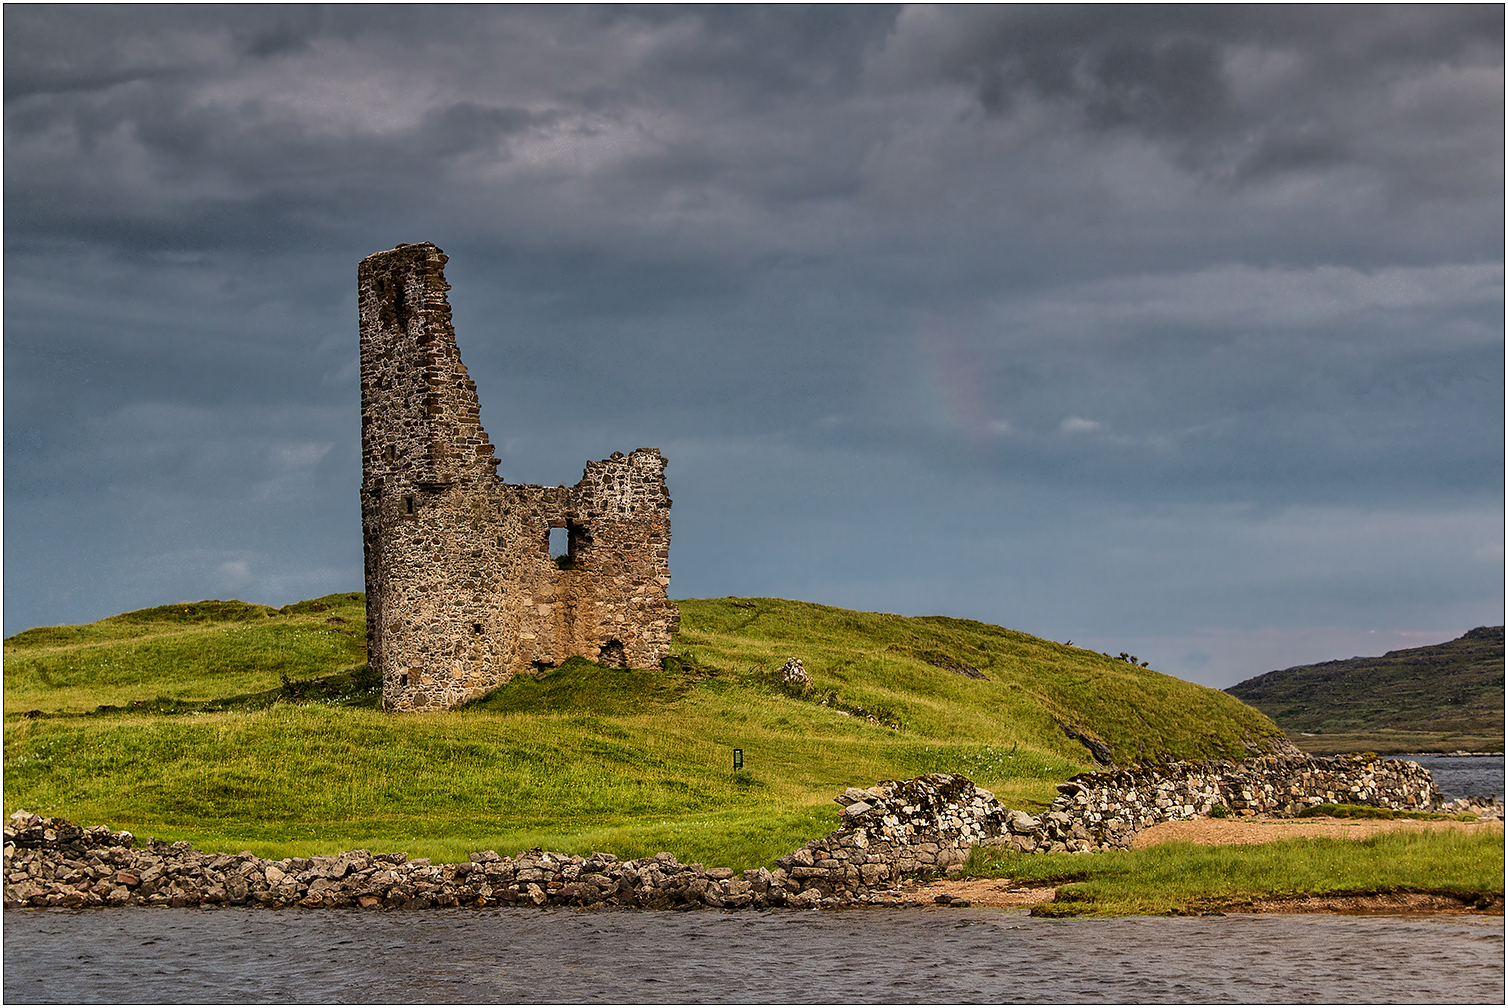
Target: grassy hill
{"points": [[242, 726], [1438, 698]]}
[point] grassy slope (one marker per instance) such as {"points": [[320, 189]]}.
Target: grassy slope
{"points": [[203, 742], [877, 662], [194, 651], [1184, 877], [1435, 698]]}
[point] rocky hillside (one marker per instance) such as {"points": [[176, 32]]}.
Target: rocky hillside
{"points": [[1452, 691]]}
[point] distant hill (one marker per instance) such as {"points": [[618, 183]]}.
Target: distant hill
{"points": [[1441, 697]]}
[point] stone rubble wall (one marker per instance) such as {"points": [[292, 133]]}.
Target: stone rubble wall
{"points": [[1481, 806], [54, 863], [928, 825], [1106, 809], [894, 830]]}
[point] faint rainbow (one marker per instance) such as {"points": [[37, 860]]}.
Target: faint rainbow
{"points": [[949, 384]]}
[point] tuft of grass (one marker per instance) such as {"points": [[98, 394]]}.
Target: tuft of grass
{"points": [[583, 685], [1366, 812], [1183, 877]]}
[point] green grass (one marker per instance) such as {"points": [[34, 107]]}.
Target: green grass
{"points": [[1373, 812], [240, 726], [870, 662], [189, 651], [1183, 877]]}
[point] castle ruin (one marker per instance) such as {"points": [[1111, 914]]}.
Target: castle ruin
{"points": [[462, 592]]}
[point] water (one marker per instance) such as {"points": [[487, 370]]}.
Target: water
{"points": [[132, 955], [906, 956], [1459, 776]]}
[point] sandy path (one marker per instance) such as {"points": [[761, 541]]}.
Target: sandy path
{"points": [[1214, 832], [983, 892]]}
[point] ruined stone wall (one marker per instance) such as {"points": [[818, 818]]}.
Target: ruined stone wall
{"points": [[606, 598], [890, 831], [928, 824], [1104, 809], [462, 593], [53, 863]]}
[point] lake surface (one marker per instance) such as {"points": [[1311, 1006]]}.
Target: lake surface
{"points": [[923, 955], [505, 954], [1459, 776]]}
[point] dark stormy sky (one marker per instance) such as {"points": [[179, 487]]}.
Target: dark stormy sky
{"points": [[1176, 331]]}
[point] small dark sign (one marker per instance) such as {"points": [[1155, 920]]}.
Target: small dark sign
{"points": [[738, 759]]}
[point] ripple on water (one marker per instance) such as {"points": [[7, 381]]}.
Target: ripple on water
{"points": [[512, 955], [1459, 776]]}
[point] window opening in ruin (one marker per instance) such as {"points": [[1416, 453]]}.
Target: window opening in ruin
{"points": [[403, 679], [576, 538], [476, 628], [612, 653], [408, 504]]}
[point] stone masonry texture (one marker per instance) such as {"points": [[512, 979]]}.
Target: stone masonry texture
{"points": [[891, 831], [929, 824], [462, 593]]}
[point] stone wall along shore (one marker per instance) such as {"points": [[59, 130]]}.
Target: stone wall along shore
{"points": [[1105, 809], [928, 825], [889, 832], [54, 863]]}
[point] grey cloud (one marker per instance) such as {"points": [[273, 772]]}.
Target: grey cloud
{"points": [[851, 290], [252, 168], [1236, 93], [277, 39], [1173, 89], [466, 126]]}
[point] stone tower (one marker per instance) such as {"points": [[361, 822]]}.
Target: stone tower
{"points": [[462, 593]]}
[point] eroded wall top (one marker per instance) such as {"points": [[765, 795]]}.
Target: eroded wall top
{"points": [[462, 592]]}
